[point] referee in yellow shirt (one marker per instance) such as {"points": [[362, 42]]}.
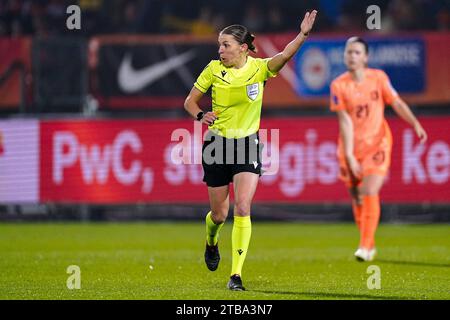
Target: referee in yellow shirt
{"points": [[231, 152]]}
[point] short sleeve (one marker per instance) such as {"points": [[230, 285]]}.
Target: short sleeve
{"points": [[336, 97], [388, 92], [205, 79], [265, 68]]}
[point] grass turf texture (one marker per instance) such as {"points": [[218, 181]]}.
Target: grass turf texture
{"points": [[165, 261]]}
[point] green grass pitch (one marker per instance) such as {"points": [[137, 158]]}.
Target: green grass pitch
{"points": [[162, 260]]}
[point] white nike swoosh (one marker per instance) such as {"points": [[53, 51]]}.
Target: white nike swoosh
{"points": [[131, 80]]}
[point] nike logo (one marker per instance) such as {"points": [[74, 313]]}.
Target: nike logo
{"points": [[131, 80]]}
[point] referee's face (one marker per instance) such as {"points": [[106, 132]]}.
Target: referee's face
{"points": [[230, 51]]}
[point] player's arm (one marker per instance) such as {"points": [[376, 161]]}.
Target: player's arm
{"points": [[279, 60], [392, 98], [191, 105], [346, 132], [402, 109]]}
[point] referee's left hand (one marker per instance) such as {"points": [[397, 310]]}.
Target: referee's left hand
{"points": [[209, 118]]}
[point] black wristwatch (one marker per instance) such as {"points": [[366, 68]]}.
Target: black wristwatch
{"points": [[200, 116]]}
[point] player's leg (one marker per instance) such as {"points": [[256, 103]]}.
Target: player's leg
{"points": [[353, 189], [370, 216], [370, 213], [245, 184], [355, 194], [215, 219], [375, 166]]}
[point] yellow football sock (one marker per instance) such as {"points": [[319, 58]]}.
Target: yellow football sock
{"points": [[240, 239], [212, 230]]}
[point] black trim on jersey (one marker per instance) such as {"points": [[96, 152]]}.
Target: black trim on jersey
{"points": [[206, 89], [206, 66], [221, 79], [253, 74]]}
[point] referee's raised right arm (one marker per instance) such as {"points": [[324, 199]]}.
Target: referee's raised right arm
{"points": [[279, 60]]}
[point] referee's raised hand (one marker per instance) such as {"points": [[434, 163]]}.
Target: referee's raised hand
{"points": [[209, 118], [308, 22]]}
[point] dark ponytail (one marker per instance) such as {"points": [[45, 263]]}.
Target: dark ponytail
{"points": [[359, 40], [241, 35]]}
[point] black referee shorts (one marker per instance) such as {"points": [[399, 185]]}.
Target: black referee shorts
{"points": [[222, 158]]}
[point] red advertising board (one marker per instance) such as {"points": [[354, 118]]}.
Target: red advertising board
{"points": [[129, 161]]}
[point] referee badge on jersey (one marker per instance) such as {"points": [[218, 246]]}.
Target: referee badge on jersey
{"points": [[253, 91]]}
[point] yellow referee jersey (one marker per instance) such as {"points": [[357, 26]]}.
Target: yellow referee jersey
{"points": [[236, 95]]}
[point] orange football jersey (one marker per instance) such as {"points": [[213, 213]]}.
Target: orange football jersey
{"points": [[365, 102]]}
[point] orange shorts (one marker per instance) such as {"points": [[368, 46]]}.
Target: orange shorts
{"points": [[376, 160]]}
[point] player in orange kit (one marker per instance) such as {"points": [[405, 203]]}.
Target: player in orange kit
{"points": [[365, 141]]}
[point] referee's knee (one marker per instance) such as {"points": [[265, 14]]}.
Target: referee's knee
{"points": [[242, 208], [219, 215]]}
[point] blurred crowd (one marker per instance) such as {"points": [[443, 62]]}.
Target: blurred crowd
{"points": [[204, 17]]}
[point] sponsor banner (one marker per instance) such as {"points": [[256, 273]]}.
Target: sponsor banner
{"points": [[413, 62], [114, 162], [19, 161], [14, 55], [138, 72], [134, 161], [321, 61], [144, 72]]}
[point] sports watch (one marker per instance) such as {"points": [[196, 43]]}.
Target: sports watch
{"points": [[200, 116]]}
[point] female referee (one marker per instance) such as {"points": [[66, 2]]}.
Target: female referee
{"points": [[231, 146], [365, 141]]}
